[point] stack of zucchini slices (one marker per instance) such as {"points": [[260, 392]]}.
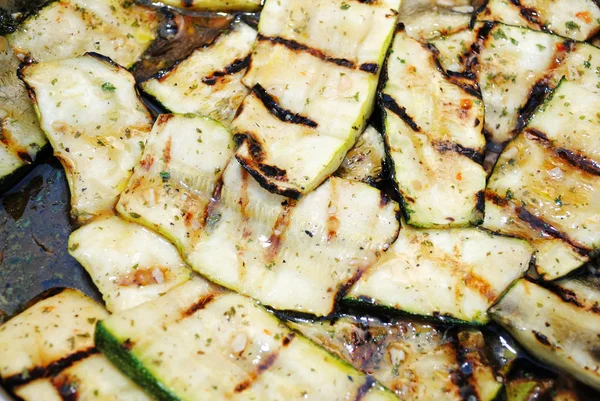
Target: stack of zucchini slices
{"points": [[225, 236]]}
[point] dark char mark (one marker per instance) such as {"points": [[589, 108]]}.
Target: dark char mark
{"points": [[389, 103], [537, 96], [364, 389], [51, 370], [458, 79], [199, 305], [235, 67], [446, 146], [541, 338], [264, 365], [282, 114], [573, 158], [67, 388], [296, 46], [461, 376], [251, 167], [530, 14]]}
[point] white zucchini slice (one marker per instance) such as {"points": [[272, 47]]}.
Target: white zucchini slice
{"points": [[417, 361], [89, 109], [39, 389], [195, 341], [20, 135], [575, 19], [554, 329], [364, 162], [117, 29], [425, 20], [433, 129], [580, 66], [48, 336], [128, 263], [456, 274], [215, 5], [209, 81], [543, 193], [243, 237], [455, 50], [511, 62], [314, 73]]}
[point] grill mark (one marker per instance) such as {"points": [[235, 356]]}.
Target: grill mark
{"points": [[459, 378], [252, 167], [537, 96], [345, 287], [371, 68], [573, 158], [66, 387], [495, 198], [264, 365], [278, 232], [167, 150], [480, 206], [187, 3], [236, 66], [566, 295], [364, 389], [271, 104], [288, 338], [244, 194], [299, 47], [389, 103], [472, 55], [541, 338], [447, 146], [530, 14], [538, 224], [215, 199], [384, 200], [50, 370], [199, 305], [482, 286], [457, 79]]}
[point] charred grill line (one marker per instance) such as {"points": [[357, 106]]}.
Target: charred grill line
{"points": [[276, 110], [233, 68], [364, 389], [446, 146], [389, 103]]}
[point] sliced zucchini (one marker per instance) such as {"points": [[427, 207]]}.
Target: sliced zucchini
{"points": [[581, 66], [552, 328], [289, 255], [20, 135], [457, 274], [50, 335], [455, 50], [215, 5], [433, 129], [209, 81], [417, 361], [115, 28], [512, 65], [180, 170], [89, 109], [314, 74], [575, 19], [39, 389], [583, 291], [425, 20], [545, 193], [364, 162], [195, 342], [128, 263]]}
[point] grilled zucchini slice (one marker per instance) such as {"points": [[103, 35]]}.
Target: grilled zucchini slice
{"points": [[511, 63], [581, 66], [455, 274], [115, 28], [313, 74], [128, 263], [197, 341], [575, 19], [364, 162], [209, 81], [216, 5], [20, 135], [48, 336], [245, 238], [89, 109], [417, 361], [555, 328], [433, 129], [546, 183], [47, 353]]}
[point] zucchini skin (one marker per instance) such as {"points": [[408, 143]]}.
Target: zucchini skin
{"points": [[130, 365]]}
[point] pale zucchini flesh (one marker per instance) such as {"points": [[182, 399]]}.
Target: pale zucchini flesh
{"points": [[456, 274], [20, 135], [242, 352], [117, 29], [129, 263], [245, 238], [312, 93], [575, 19], [209, 81], [89, 109], [417, 361], [216, 5], [433, 130], [553, 329]]}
